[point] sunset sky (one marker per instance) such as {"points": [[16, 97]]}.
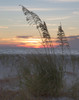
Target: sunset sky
{"points": [[14, 30]]}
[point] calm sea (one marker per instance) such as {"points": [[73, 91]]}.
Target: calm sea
{"points": [[32, 50]]}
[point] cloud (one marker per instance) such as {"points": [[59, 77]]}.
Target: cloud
{"points": [[72, 28], [76, 12], [14, 8], [58, 18], [23, 37], [8, 45], [17, 8], [45, 9], [51, 24], [3, 27], [73, 37], [9, 8], [63, 0], [20, 25], [74, 41], [68, 0]]}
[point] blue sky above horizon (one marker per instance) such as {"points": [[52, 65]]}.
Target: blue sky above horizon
{"points": [[13, 24]]}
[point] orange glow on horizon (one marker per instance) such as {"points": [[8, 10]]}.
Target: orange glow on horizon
{"points": [[24, 42], [38, 45], [30, 46]]}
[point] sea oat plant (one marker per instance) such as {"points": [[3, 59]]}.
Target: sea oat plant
{"points": [[42, 76]]}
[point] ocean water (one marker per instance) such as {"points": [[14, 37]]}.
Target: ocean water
{"points": [[35, 51]]}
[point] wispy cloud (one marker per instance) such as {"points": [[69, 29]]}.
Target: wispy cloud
{"points": [[72, 28], [63, 0], [20, 25], [76, 12], [73, 37], [3, 27], [51, 24], [10, 8], [58, 18], [23, 37], [17, 8], [46, 9], [68, 0]]}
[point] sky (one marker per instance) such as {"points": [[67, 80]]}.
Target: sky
{"points": [[16, 32]]}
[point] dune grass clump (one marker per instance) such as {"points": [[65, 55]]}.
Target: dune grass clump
{"points": [[43, 74], [42, 77]]}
